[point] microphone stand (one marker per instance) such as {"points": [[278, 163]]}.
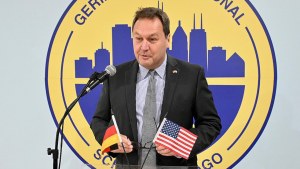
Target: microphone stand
{"points": [[55, 151], [147, 155], [125, 155]]}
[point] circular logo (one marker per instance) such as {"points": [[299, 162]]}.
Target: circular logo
{"points": [[227, 38]]}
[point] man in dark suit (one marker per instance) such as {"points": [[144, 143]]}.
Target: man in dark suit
{"points": [[182, 94]]}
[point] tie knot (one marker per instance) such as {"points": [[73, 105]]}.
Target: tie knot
{"points": [[151, 72]]}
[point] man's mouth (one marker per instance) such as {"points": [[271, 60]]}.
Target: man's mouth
{"points": [[145, 56]]}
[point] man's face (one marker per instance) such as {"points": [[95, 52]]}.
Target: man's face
{"points": [[149, 42]]}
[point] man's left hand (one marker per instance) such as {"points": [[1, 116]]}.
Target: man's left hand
{"points": [[164, 151]]}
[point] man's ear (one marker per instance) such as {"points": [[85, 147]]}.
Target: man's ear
{"points": [[168, 40]]}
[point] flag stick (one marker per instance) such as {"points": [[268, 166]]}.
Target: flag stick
{"points": [[117, 129]]}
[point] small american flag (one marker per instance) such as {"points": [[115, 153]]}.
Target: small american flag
{"points": [[176, 138]]}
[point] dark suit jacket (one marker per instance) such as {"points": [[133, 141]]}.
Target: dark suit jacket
{"points": [[186, 96]]}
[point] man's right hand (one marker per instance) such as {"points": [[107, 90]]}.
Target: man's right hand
{"points": [[127, 145]]}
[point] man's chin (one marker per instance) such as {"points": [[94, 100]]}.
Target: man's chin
{"points": [[147, 65]]}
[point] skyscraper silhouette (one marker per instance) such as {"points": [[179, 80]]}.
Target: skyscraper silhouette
{"points": [[198, 46], [235, 66], [220, 67], [122, 47], [179, 44], [83, 67], [217, 61], [102, 59]]}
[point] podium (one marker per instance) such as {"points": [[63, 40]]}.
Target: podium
{"points": [[123, 166], [120, 166]]}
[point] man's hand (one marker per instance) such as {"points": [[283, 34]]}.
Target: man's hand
{"points": [[127, 145], [164, 151]]}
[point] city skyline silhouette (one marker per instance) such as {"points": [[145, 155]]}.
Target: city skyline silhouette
{"points": [[194, 51]]}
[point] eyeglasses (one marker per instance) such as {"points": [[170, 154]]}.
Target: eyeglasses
{"points": [[147, 145], [139, 146]]}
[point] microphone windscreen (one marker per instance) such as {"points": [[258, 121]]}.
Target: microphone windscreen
{"points": [[111, 70]]}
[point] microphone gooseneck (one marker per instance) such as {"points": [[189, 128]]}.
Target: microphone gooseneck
{"points": [[95, 79]]}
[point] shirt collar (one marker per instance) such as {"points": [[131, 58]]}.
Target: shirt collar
{"points": [[161, 70]]}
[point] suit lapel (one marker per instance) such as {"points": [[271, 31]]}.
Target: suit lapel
{"points": [[130, 91], [172, 74]]}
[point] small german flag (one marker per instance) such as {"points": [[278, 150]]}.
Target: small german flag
{"points": [[111, 137]]}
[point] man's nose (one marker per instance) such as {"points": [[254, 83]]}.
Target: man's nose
{"points": [[145, 45]]}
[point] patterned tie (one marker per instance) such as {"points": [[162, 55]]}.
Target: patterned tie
{"points": [[149, 128]]}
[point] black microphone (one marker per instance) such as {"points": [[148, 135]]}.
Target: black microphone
{"points": [[98, 78]]}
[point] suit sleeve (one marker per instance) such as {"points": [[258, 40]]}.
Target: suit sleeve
{"points": [[207, 120], [102, 116]]}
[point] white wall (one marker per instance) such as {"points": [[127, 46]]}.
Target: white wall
{"points": [[26, 125]]}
